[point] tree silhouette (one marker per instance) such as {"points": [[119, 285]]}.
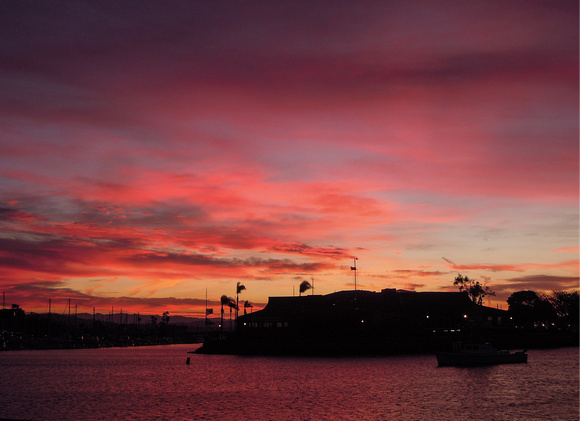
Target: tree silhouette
{"points": [[247, 304], [475, 290], [239, 289], [164, 322], [566, 305], [232, 305], [304, 286], [165, 318], [225, 300], [528, 307]]}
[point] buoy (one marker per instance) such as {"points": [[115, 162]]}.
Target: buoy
{"points": [[187, 361]]}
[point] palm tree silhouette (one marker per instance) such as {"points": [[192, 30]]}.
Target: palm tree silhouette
{"points": [[304, 286], [247, 304], [239, 289], [232, 304], [225, 300]]}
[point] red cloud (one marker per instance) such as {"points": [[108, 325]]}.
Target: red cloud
{"points": [[142, 164], [567, 265]]}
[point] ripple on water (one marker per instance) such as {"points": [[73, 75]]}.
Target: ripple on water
{"points": [[153, 383]]}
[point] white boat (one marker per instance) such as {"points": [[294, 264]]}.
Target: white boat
{"points": [[464, 354]]}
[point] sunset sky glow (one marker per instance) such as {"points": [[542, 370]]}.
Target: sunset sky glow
{"points": [[152, 150]]}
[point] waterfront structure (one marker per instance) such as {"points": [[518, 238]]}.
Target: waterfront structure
{"points": [[358, 322]]}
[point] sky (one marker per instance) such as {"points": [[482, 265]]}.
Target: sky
{"points": [[155, 153]]}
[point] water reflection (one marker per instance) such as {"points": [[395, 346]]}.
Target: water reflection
{"points": [[155, 383]]}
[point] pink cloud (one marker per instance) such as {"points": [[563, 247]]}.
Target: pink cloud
{"points": [[567, 250], [210, 139], [566, 265]]}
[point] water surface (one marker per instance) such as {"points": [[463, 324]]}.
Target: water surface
{"points": [[152, 383]]}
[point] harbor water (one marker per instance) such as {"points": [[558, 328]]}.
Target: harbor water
{"points": [[155, 383]]}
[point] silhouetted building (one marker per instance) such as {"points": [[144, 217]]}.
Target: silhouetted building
{"points": [[13, 312], [366, 311], [348, 322]]}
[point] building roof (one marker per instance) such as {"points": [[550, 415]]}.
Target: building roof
{"points": [[399, 303]]}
